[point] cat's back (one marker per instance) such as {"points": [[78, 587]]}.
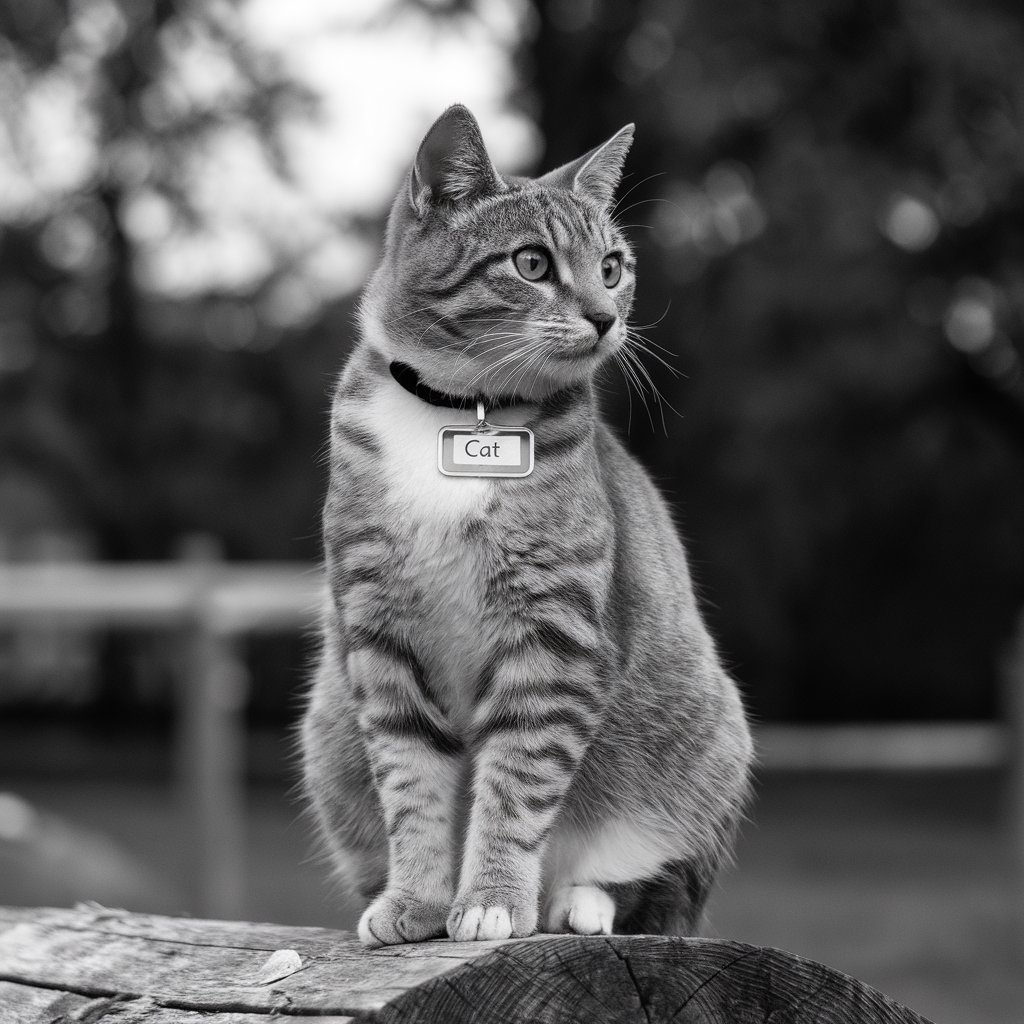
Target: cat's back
{"points": [[655, 617], [646, 530]]}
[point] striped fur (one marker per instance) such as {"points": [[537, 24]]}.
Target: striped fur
{"points": [[519, 718]]}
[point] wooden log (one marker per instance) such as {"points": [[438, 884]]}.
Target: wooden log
{"points": [[93, 964]]}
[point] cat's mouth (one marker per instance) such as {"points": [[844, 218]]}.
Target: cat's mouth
{"points": [[583, 351]]}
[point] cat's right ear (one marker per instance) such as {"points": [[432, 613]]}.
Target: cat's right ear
{"points": [[452, 163], [595, 174]]}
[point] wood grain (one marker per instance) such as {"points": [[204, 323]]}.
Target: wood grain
{"points": [[211, 966], [645, 979], [93, 964]]}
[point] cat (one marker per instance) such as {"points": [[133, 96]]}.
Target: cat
{"points": [[518, 717]]}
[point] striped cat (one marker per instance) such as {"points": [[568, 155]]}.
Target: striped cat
{"points": [[518, 719]]}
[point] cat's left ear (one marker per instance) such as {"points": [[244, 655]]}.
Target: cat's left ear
{"points": [[452, 163], [595, 174]]}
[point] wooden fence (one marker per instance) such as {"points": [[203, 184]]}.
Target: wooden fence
{"points": [[211, 608]]}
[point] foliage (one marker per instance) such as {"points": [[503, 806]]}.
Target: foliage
{"points": [[120, 250]]}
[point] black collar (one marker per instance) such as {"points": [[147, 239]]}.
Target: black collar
{"points": [[407, 376]]}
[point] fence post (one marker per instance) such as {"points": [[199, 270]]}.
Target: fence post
{"points": [[214, 692], [1012, 678]]}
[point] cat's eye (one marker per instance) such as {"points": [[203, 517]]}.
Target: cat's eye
{"points": [[611, 270], [532, 263]]}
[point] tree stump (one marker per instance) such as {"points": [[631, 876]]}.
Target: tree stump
{"points": [[92, 965]]}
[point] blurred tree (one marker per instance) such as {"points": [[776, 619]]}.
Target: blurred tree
{"points": [[185, 211], [119, 121], [834, 245]]}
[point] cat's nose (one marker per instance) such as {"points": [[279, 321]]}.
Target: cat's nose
{"points": [[602, 322]]}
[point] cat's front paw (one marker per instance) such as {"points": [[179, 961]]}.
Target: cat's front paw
{"points": [[395, 917], [490, 915]]}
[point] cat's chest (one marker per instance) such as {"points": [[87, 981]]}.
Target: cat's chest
{"points": [[449, 631], [437, 557]]}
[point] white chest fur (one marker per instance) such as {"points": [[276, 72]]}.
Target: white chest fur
{"points": [[431, 511], [406, 429]]}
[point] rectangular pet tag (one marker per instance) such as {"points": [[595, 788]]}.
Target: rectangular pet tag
{"points": [[486, 450]]}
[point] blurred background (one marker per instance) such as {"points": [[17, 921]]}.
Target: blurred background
{"points": [[827, 201]]}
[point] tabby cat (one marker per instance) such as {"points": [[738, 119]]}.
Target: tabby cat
{"points": [[518, 719]]}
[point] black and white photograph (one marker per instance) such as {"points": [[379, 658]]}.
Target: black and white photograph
{"points": [[511, 511]]}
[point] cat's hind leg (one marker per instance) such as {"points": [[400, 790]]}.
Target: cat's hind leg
{"points": [[628, 877], [669, 903], [583, 909]]}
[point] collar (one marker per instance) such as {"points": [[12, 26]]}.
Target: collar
{"points": [[407, 376]]}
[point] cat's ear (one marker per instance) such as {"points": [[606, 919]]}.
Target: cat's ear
{"points": [[452, 163], [595, 174]]}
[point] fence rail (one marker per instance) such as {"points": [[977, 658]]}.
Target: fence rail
{"points": [[223, 598]]}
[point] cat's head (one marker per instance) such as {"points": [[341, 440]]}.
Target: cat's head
{"points": [[494, 284]]}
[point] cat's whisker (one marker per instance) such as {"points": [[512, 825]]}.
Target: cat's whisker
{"points": [[630, 353], [649, 345], [498, 320], [404, 316], [642, 202], [509, 357], [638, 331], [496, 343], [548, 357], [490, 365], [502, 338], [513, 338], [636, 342], [460, 347], [629, 392], [654, 323], [494, 334], [632, 188], [524, 356], [633, 381], [538, 359], [645, 382], [429, 327], [509, 343]]}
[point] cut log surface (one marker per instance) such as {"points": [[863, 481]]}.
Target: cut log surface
{"points": [[92, 964]]}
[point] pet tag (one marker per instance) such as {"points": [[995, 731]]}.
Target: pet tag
{"points": [[484, 450]]}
